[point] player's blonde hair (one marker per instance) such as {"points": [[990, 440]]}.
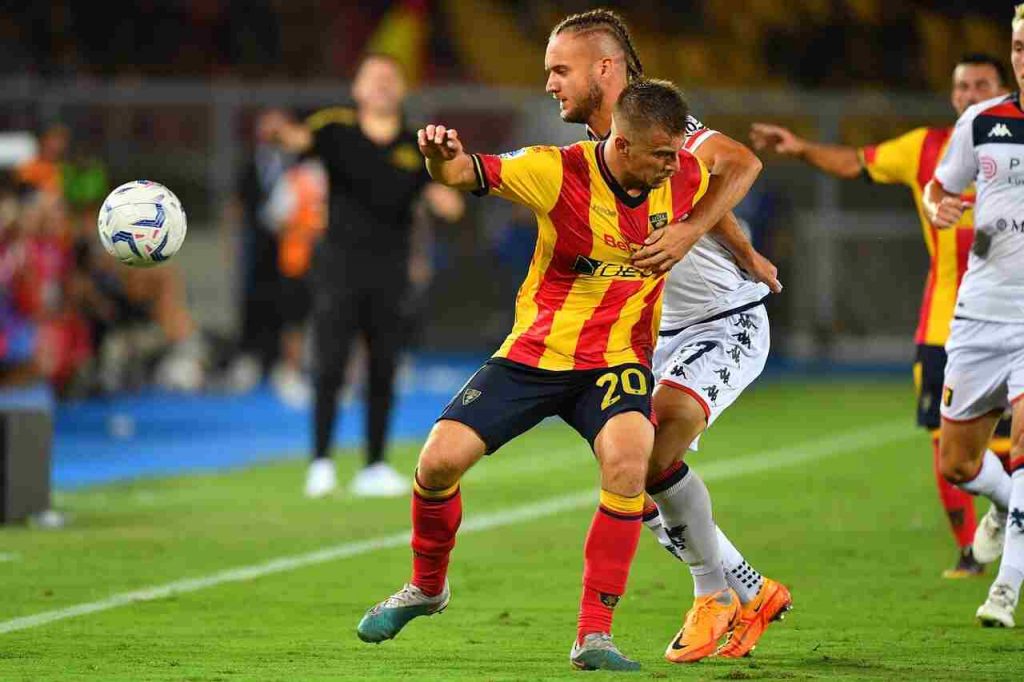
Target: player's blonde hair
{"points": [[1018, 16]]}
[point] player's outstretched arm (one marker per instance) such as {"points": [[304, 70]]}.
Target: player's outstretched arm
{"points": [[733, 168], [444, 202], [732, 236], [838, 160], [942, 208], [447, 162]]}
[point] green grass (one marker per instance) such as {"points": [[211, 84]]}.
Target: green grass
{"points": [[857, 534]]}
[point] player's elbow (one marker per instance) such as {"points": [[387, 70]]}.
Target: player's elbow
{"points": [[741, 163], [851, 170]]}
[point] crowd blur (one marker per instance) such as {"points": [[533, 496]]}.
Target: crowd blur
{"points": [[69, 314], [72, 316], [812, 43]]}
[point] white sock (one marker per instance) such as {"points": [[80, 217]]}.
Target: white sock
{"points": [[685, 507], [1011, 570], [741, 576], [653, 521], [992, 481]]}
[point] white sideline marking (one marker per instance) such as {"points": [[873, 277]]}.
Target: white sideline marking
{"points": [[741, 466]]}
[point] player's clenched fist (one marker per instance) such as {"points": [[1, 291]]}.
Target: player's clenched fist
{"points": [[438, 142], [777, 139], [948, 212]]}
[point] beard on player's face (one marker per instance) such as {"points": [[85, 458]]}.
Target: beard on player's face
{"points": [[581, 111]]}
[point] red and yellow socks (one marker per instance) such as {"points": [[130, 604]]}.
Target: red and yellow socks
{"points": [[436, 515], [607, 556], [959, 505]]}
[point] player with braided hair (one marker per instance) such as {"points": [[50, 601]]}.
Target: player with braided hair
{"points": [[713, 341], [610, 23]]}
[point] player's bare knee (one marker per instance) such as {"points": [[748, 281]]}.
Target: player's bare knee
{"points": [[1017, 447], [624, 476], [624, 469], [956, 465], [451, 449]]}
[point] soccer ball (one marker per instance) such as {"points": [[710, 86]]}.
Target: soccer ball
{"points": [[141, 223]]}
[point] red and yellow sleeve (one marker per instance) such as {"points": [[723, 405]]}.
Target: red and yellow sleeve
{"points": [[689, 184], [531, 176], [894, 161]]}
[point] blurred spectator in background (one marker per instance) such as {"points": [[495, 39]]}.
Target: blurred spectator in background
{"points": [[90, 322], [44, 173], [360, 275], [258, 261], [18, 295], [297, 210]]}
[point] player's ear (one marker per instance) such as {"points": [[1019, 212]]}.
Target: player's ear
{"points": [[621, 145]]}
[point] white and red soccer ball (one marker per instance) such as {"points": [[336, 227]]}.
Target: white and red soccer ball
{"points": [[141, 223]]}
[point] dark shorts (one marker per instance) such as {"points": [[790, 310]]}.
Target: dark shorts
{"points": [[505, 399], [929, 375]]}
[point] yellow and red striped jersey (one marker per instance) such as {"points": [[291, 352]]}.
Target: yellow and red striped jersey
{"points": [[583, 305], [911, 160]]}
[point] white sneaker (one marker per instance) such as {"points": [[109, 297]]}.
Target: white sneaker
{"points": [[243, 374], [989, 535], [379, 480], [997, 611], [321, 479], [291, 387]]}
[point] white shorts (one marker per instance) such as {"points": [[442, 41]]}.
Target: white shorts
{"points": [[984, 368], [715, 361]]}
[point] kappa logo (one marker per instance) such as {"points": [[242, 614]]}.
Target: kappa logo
{"points": [[469, 395], [1000, 130]]}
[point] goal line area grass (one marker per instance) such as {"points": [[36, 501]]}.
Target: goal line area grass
{"points": [[825, 487]]}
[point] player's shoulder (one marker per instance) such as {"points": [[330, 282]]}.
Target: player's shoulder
{"points": [[1003, 105], [342, 116], [688, 160], [692, 173]]}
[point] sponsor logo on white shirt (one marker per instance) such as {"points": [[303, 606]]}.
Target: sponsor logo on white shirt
{"points": [[1000, 130]]}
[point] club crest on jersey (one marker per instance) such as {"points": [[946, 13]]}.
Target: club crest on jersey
{"points": [[658, 220], [469, 395], [947, 396]]}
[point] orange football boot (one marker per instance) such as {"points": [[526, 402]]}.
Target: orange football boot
{"points": [[710, 619], [771, 603]]}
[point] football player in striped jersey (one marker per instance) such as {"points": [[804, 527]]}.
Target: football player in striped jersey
{"points": [[713, 340], [581, 346], [910, 160]]}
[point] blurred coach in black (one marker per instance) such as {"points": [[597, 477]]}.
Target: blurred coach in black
{"points": [[360, 272]]}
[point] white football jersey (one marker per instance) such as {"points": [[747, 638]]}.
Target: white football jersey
{"points": [[707, 282], [987, 148]]}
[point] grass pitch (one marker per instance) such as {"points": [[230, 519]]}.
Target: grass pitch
{"points": [[826, 487]]}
